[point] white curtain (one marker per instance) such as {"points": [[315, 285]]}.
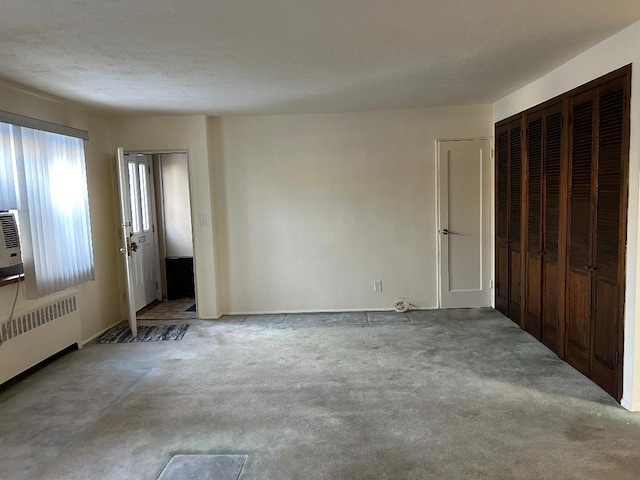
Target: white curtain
{"points": [[54, 210], [8, 191]]}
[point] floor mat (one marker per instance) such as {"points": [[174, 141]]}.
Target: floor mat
{"points": [[203, 467], [146, 333]]}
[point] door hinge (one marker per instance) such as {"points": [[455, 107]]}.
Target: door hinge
{"points": [[156, 285], [149, 169], [491, 153]]}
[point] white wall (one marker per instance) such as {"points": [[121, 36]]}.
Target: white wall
{"points": [[176, 205], [314, 208], [186, 133], [98, 300], [615, 52]]}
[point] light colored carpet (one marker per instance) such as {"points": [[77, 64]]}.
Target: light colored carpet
{"points": [[462, 394]]}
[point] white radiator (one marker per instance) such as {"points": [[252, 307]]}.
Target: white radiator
{"points": [[36, 334], [38, 317]]}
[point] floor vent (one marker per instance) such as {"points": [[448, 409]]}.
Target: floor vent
{"points": [[27, 321]]}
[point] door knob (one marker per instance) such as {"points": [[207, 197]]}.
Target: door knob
{"points": [[444, 231]]}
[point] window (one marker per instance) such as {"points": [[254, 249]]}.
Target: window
{"points": [[43, 176]]}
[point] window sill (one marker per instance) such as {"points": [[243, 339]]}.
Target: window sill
{"points": [[11, 280]]}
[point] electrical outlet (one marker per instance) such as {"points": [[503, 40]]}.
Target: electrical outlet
{"points": [[377, 286]]}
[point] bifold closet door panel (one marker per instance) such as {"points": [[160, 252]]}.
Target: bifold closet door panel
{"points": [[608, 243], [515, 221], [552, 273], [533, 274], [579, 270], [502, 220]]}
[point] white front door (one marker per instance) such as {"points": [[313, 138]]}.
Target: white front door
{"points": [[125, 236], [464, 223], [141, 198]]}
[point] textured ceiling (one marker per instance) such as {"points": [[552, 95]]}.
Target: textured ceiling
{"points": [[227, 57]]}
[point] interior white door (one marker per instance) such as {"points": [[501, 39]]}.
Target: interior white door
{"points": [[464, 223], [125, 236], [141, 197]]}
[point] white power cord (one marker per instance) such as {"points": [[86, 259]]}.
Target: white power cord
{"points": [[402, 305], [15, 300]]}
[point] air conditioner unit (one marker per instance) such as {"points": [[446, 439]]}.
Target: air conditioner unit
{"points": [[10, 254]]}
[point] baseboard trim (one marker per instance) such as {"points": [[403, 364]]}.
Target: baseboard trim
{"points": [[632, 407]]}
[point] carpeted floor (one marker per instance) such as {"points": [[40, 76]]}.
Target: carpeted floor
{"points": [[457, 394], [146, 333]]}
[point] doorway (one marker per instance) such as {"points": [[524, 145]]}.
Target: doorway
{"points": [[158, 241], [174, 223], [464, 223]]}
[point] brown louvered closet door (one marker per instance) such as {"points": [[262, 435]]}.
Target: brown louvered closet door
{"points": [[597, 231], [533, 284], [552, 273], [508, 181], [561, 218], [581, 174], [515, 217], [502, 220], [608, 236]]}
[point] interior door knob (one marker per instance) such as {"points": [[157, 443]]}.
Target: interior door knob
{"points": [[444, 231]]}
